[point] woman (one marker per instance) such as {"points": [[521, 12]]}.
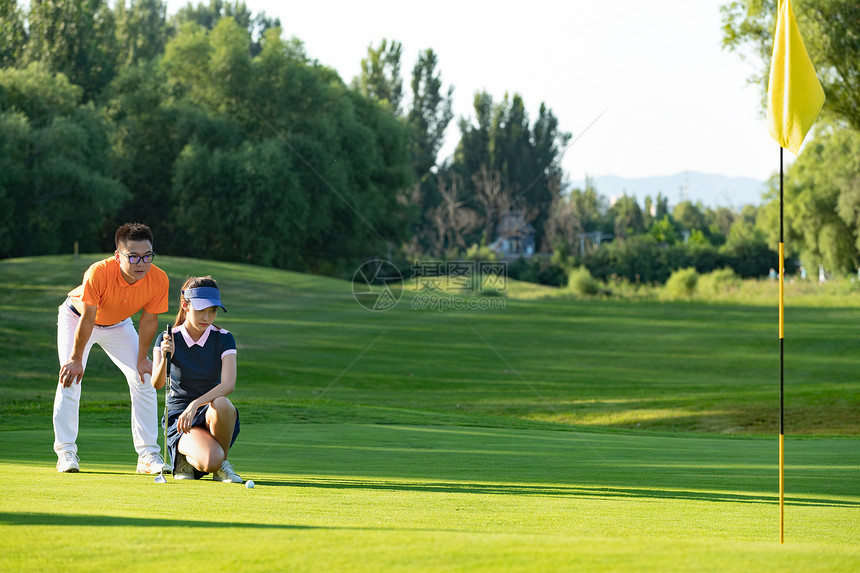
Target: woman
{"points": [[202, 423]]}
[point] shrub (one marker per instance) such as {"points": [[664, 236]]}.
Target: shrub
{"points": [[582, 283], [750, 259], [642, 259], [538, 270], [552, 274], [682, 283], [719, 282], [521, 270], [479, 253]]}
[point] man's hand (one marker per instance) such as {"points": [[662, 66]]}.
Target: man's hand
{"points": [[144, 366], [148, 328], [72, 372]]}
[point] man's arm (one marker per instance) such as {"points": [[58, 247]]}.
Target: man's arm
{"points": [[147, 330], [72, 372]]}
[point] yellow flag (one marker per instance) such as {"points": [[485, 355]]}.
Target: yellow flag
{"points": [[794, 95]]}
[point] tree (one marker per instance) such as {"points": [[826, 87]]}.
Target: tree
{"points": [[141, 30], [241, 204], [348, 154], [821, 206], [664, 231], [186, 62], [213, 67], [573, 216], [690, 216], [207, 16], [527, 157], [380, 75], [659, 207], [230, 66], [830, 31], [151, 129], [747, 246], [76, 38], [13, 33], [719, 220], [546, 174], [492, 198], [627, 217], [452, 220], [819, 198], [503, 211], [429, 114], [56, 186], [280, 73]]}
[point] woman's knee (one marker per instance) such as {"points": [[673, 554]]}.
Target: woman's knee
{"points": [[201, 450], [207, 459], [212, 461], [223, 407]]}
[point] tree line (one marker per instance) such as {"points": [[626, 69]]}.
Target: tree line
{"points": [[234, 144], [822, 186]]}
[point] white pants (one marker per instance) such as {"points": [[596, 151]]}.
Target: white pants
{"points": [[120, 343]]}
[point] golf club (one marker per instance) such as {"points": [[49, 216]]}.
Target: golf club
{"points": [[160, 478]]}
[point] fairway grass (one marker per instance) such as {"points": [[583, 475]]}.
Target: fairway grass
{"points": [[362, 497], [677, 367], [551, 435]]}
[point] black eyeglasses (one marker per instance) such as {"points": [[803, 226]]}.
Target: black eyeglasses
{"points": [[134, 259]]}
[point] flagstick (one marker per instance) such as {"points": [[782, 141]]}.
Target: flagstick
{"points": [[794, 99], [781, 341]]}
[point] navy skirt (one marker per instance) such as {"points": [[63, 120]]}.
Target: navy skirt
{"points": [[173, 434]]}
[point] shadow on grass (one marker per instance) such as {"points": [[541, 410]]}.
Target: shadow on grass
{"points": [[560, 491], [15, 518], [74, 520]]}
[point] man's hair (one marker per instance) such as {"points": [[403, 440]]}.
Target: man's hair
{"points": [[132, 232]]}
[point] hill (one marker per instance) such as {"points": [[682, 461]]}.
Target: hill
{"points": [[712, 190], [677, 367], [552, 434]]}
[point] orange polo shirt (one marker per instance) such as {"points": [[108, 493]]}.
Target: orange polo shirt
{"points": [[105, 287]]}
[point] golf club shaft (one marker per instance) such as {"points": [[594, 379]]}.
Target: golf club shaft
{"points": [[167, 358]]}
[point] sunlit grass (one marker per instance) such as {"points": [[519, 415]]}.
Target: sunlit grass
{"points": [[607, 362], [367, 497], [836, 293], [550, 434]]}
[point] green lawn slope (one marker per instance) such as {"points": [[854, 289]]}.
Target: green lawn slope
{"points": [[551, 434]]}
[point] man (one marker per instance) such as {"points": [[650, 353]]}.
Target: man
{"points": [[98, 312]]}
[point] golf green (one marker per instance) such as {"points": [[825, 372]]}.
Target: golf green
{"points": [[549, 434]]}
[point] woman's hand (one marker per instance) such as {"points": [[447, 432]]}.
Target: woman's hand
{"points": [[186, 418], [167, 344]]}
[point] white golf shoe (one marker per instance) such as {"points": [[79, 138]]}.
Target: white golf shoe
{"points": [[152, 463], [68, 462], [227, 474], [184, 470]]}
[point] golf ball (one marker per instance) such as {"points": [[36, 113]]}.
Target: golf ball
{"points": [[249, 484]]}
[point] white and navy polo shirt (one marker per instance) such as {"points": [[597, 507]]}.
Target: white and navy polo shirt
{"points": [[195, 367]]}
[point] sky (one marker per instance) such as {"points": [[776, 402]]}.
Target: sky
{"points": [[644, 87]]}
